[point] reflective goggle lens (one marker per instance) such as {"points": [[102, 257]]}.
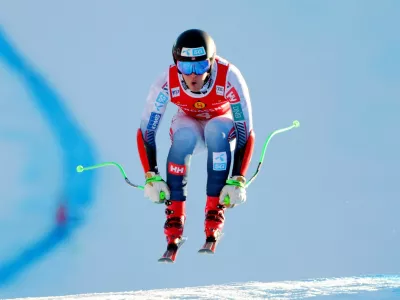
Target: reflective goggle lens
{"points": [[196, 67]]}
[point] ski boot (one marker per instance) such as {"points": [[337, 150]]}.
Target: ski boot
{"points": [[213, 224], [173, 229]]}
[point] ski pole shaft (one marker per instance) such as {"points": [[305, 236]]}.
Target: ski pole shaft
{"points": [[275, 132], [81, 168]]}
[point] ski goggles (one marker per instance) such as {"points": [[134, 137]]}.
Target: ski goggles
{"points": [[196, 67]]}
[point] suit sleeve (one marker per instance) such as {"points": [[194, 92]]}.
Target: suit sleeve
{"points": [[238, 95], [155, 106]]}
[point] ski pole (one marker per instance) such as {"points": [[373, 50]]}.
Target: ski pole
{"points": [[81, 168], [295, 124], [233, 182]]}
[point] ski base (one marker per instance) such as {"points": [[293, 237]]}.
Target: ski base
{"points": [[169, 255], [166, 260], [209, 247]]}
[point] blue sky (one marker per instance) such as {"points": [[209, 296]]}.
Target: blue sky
{"points": [[326, 201]]}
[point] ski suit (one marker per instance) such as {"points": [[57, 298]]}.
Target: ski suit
{"points": [[217, 119]]}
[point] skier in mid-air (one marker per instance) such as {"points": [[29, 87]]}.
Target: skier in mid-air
{"points": [[214, 114]]}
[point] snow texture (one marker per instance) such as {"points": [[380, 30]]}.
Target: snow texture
{"points": [[366, 287]]}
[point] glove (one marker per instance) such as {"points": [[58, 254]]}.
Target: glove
{"points": [[154, 186], [235, 189]]}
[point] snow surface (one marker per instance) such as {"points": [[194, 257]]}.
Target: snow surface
{"points": [[380, 287]]}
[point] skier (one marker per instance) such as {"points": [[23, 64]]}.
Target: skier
{"points": [[214, 114]]}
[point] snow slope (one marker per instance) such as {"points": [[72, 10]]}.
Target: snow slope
{"points": [[366, 287]]}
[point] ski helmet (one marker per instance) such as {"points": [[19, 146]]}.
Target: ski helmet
{"points": [[193, 45]]}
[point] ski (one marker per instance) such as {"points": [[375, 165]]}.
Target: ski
{"points": [[169, 255], [210, 245]]}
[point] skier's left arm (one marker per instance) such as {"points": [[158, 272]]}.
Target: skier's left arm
{"points": [[238, 95], [239, 98]]}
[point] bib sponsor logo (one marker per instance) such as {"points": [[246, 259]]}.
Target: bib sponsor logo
{"points": [[176, 92], [220, 161], [233, 96], [218, 102], [220, 90], [176, 169], [199, 105]]}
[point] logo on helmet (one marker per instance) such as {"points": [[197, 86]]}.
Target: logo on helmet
{"points": [[193, 52]]}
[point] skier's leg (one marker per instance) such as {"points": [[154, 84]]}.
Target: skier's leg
{"points": [[186, 135], [218, 134]]}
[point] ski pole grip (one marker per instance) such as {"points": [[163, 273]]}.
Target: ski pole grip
{"points": [[162, 196], [227, 201]]}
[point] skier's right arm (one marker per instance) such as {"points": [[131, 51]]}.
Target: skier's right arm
{"points": [[154, 109], [156, 103]]}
